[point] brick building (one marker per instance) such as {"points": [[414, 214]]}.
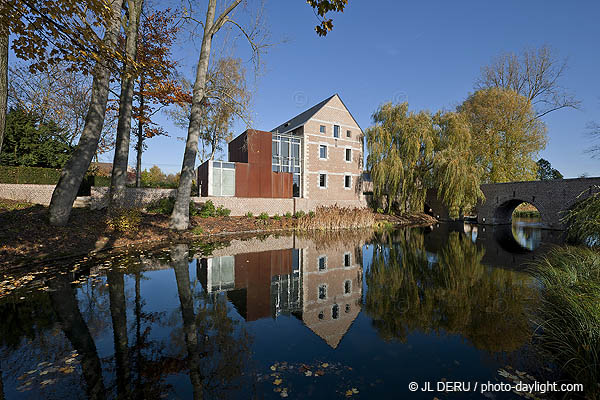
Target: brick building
{"points": [[315, 155]]}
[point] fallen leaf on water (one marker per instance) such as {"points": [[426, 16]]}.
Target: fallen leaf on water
{"points": [[273, 368], [308, 373], [325, 365], [277, 382], [354, 390], [67, 370], [349, 393]]}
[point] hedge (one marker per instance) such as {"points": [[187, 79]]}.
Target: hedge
{"points": [[47, 176]]}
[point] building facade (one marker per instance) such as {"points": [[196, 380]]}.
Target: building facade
{"points": [[315, 155]]}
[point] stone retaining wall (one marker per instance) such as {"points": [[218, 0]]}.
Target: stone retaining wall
{"points": [[31, 193]]}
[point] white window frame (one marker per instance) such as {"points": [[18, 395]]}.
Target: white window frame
{"points": [[349, 258], [326, 151], [347, 187], [319, 180], [339, 131], [322, 256], [348, 134], [351, 155], [324, 132]]}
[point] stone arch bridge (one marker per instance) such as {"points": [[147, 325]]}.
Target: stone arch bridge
{"points": [[552, 198]]}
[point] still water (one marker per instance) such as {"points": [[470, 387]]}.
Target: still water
{"points": [[348, 315]]}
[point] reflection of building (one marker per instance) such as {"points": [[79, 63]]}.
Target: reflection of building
{"points": [[322, 287]]}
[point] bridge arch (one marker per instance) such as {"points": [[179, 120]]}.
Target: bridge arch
{"points": [[504, 210]]}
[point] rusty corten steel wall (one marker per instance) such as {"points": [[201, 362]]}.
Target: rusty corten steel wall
{"points": [[254, 272], [203, 179], [256, 178]]}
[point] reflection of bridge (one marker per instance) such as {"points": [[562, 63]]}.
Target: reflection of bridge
{"points": [[551, 198]]}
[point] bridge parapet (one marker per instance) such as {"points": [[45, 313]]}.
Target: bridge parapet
{"points": [[552, 199]]}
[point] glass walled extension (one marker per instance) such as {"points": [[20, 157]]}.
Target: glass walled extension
{"points": [[287, 157]]}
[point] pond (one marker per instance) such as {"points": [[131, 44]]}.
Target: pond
{"points": [[344, 315]]}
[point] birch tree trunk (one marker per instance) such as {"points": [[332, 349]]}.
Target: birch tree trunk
{"points": [[180, 217], [72, 174], [140, 140], [119, 169], [3, 82]]}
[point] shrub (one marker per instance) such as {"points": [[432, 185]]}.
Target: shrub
{"points": [[299, 214], [165, 206], [197, 230], [207, 210], [249, 214], [288, 214], [331, 218], [569, 315], [223, 212], [124, 220], [276, 217], [263, 216]]}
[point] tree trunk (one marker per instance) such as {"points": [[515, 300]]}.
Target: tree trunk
{"points": [[3, 82], [1, 386], [64, 303], [118, 313], [181, 211], [140, 140], [72, 174], [119, 169], [179, 257]]}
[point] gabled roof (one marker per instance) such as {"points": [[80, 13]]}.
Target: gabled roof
{"points": [[302, 118]]}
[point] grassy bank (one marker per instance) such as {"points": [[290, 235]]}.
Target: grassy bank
{"points": [[26, 237], [569, 317]]}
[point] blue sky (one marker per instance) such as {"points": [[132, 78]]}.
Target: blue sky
{"points": [[428, 53]]}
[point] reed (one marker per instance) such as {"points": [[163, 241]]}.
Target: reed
{"points": [[583, 221], [568, 319], [334, 217]]}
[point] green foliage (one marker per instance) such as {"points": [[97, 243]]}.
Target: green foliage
{"points": [[545, 172], [208, 209], [276, 217], [410, 153], [311, 214], [288, 214], [249, 214], [583, 221], [31, 141], [569, 315], [124, 220], [165, 206], [380, 210], [263, 216], [197, 230], [34, 175], [222, 212], [506, 136], [158, 179], [299, 214]]}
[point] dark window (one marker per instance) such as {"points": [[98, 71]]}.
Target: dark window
{"points": [[322, 180], [347, 260], [347, 181], [347, 308], [322, 151], [322, 263], [335, 311], [348, 154], [347, 287], [322, 128], [321, 315], [322, 292], [348, 134], [336, 131]]}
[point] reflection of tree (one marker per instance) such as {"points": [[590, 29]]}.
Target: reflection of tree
{"points": [[118, 310], [65, 305], [454, 293], [1, 385], [216, 352]]}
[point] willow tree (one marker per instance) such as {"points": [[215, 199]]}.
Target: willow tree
{"points": [[506, 136], [410, 153]]}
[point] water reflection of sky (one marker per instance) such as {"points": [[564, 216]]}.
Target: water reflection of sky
{"points": [[527, 232]]}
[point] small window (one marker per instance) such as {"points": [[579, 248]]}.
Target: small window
{"points": [[322, 180], [321, 315], [322, 151], [347, 259], [348, 134], [336, 131], [347, 181], [348, 287], [322, 263], [347, 308], [322, 292], [335, 311], [348, 154], [322, 129]]}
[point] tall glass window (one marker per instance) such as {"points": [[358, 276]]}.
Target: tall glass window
{"points": [[287, 156]]}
